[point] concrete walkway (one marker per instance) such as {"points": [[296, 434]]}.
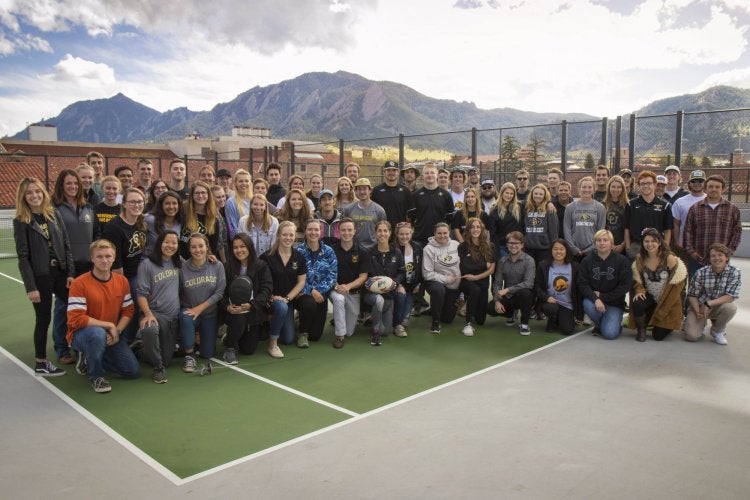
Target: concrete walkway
{"points": [[586, 418]]}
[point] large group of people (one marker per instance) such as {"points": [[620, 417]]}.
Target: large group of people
{"points": [[140, 266]]}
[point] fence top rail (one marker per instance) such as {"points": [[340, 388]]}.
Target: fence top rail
{"points": [[715, 111]]}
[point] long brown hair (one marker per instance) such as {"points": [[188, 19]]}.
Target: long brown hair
{"points": [[58, 194], [191, 216], [483, 247], [140, 221]]}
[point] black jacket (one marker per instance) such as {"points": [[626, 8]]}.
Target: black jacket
{"points": [[260, 275], [389, 264], [541, 281], [33, 249], [416, 249]]}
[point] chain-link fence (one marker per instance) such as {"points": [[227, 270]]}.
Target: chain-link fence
{"points": [[711, 140]]}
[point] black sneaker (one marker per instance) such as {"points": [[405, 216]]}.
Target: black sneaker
{"points": [[82, 368], [230, 356], [47, 369], [510, 321], [101, 385], [375, 339], [435, 327], [160, 375]]}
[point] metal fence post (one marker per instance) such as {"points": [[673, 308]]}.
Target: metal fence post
{"points": [[678, 138], [216, 161], [618, 133], [341, 157], [473, 145], [631, 143], [564, 147], [603, 149], [250, 161], [276, 153], [401, 155]]}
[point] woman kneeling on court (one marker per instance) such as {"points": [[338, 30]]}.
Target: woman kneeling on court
{"points": [[603, 280], [386, 260], [201, 288], [442, 275], [659, 279], [556, 291], [158, 290], [244, 300]]}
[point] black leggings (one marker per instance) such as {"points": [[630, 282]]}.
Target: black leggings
{"points": [[55, 282], [560, 316], [476, 300], [442, 301], [240, 334], [645, 307], [312, 317]]}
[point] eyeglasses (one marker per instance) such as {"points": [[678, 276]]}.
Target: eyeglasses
{"points": [[645, 183], [135, 202], [200, 193], [514, 243]]}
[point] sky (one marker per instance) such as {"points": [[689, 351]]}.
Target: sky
{"points": [[601, 57]]}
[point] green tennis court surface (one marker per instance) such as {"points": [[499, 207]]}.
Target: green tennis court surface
{"points": [[193, 423]]}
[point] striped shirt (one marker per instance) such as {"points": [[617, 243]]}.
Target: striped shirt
{"points": [[707, 285], [90, 297]]}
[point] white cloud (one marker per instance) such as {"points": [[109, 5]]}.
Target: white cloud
{"points": [[77, 71], [739, 77], [16, 42]]}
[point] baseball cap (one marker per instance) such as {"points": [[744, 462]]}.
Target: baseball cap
{"points": [[672, 167], [363, 181], [488, 181], [223, 172], [660, 179], [626, 171], [698, 174], [324, 192], [390, 164]]}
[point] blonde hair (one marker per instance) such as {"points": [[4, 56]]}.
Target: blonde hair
{"points": [[338, 193], [191, 216], [112, 178], [513, 207], [282, 226], [266, 223], [477, 203], [531, 205], [101, 244], [23, 210], [604, 232], [238, 199]]}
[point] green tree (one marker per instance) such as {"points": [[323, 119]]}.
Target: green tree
{"points": [[536, 145], [705, 162], [588, 163], [690, 161], [509, 148]]}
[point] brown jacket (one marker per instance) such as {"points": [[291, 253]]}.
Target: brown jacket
{"points": [[668, 311]]}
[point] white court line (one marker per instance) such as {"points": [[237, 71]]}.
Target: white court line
{"points": [[287, 388], [176, 480], [11, 278], [140, 454]]}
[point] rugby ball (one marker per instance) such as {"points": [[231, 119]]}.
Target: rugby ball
{"points": [[379, 284]]}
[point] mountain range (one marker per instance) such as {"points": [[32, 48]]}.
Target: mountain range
{"points": [[327, 106]]}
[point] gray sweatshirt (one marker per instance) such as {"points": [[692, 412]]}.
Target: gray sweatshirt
{"points": [[201, 284], [441, 261], [541, 229], [582, 221], [161, 287]]}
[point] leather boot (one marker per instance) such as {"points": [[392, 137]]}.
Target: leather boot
{"points": [[640, 324]]}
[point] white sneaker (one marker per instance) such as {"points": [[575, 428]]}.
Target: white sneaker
{"points": [[399, 331], [719, 337], [468, 330]]}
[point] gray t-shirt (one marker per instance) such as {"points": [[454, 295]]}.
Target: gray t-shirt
{"points": [[365, 219]]}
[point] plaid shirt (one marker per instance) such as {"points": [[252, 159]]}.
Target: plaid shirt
{"points": [[705, 226], [707, 285]]}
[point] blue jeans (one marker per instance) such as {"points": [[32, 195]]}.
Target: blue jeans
{"points": [[208, 323], [101, 358], [132, 329], [403, 303], [609, 322], [282, 322], [60, 327]]}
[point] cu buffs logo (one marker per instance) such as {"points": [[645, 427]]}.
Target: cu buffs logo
{"points": [[137, 243], [560, 284], [355, 259], [536, 221], [613, 218], [448, 260], [409, 267], [585, 217]]}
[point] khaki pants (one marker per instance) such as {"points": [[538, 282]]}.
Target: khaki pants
{"points": [[719, 317]]}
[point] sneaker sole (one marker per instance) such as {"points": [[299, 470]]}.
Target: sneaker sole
{"points": [[50, 374]]}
